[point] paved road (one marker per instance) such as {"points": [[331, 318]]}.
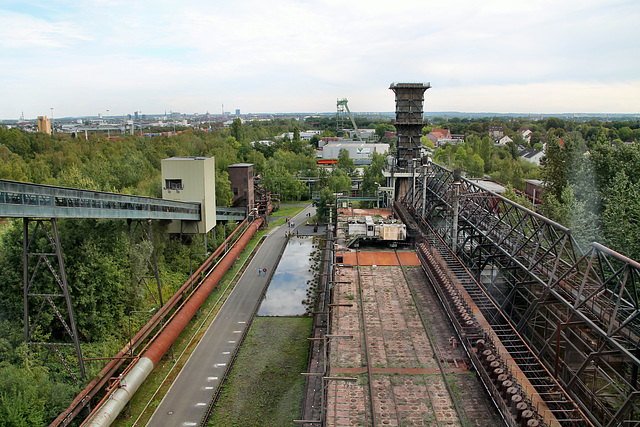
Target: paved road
{"points": [[186, 401]]}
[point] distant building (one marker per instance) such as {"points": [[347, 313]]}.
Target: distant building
{"points": [[534, 189], [503, 141], [237, 111], [266, 142], [531, 155], [44, 124], [439, 137], [304, 135], [526, 134], [241, 178], [365, 134], [357, 150], [496, 132]]}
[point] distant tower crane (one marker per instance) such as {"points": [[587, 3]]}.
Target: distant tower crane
{"points": [[341, 108]]}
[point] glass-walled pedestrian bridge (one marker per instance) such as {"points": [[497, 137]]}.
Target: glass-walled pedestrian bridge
{"points": [[26, 200]]}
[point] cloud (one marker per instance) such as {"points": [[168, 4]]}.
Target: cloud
{"points": [[548, 97], [19, 32], [299, 55]]}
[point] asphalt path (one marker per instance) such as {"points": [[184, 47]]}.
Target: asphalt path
{"points": [[188, 397]]}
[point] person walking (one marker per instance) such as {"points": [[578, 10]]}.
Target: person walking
{"points": [[259, 271]]}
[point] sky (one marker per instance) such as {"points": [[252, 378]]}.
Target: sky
{"points": [[87, 57]]}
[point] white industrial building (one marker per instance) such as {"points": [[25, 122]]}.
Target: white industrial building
{"points": [[356, 150]]}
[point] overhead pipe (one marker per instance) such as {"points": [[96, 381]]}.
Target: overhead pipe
{"points": [[107, 413]]}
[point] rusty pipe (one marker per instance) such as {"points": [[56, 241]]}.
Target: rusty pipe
{"points": [[82, 399], [109, 410]]}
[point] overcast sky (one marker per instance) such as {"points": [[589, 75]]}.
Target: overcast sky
{"points": [[84, 57]]}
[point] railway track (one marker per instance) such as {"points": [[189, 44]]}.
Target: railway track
{"points": [[440, 356], [375, 415]]}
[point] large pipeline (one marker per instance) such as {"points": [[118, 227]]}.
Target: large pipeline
{"points": [[108, 412], [85, 396]]}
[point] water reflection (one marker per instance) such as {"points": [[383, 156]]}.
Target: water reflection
{"points": [[288, 286]]}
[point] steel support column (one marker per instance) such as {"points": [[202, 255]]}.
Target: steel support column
{"points": [[37, 289]]}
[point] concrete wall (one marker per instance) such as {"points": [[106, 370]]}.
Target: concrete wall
{"points": [[191, 179]]}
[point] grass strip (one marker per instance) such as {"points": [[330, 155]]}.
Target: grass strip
{"points": [[287, 211], [265, 387]]}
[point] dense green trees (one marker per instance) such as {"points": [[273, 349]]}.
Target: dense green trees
{"points": [[592, 187], [104, 261]]}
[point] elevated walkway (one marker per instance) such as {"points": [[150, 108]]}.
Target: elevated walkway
{"points": [[227, 214], [26, 200]]}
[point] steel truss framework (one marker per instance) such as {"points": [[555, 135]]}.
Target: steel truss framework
{"points": [[42, 243], [147, 235], [579, 311], [45, 284]]}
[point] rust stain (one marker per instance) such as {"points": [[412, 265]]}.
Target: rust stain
{"points": [[397, 371], [379, 258]]}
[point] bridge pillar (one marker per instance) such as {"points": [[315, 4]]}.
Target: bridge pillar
{"points": [[45, 292], [152, 260]]}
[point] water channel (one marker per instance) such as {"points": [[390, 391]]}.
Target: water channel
{"points": [[288, 287]]}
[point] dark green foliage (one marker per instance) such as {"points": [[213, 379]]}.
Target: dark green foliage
{"points": [[372, 177], [345, 164], [595, 192], [324, 210], [621, 215]]}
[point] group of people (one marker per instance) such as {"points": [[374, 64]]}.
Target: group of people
{"points": [[262, 271]]}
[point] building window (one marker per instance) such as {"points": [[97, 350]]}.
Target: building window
{"points": [[173, 184], [235, 191]]}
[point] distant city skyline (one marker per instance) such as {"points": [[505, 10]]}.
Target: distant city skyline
{"points": [[113, 57]]}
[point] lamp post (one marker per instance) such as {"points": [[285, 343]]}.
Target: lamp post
{"points": [[130, 313]]}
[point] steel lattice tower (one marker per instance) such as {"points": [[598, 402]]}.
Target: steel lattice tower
{"points": [[409, 121]]}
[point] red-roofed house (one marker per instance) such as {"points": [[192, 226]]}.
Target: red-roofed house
{"points": [[439, 136]]}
